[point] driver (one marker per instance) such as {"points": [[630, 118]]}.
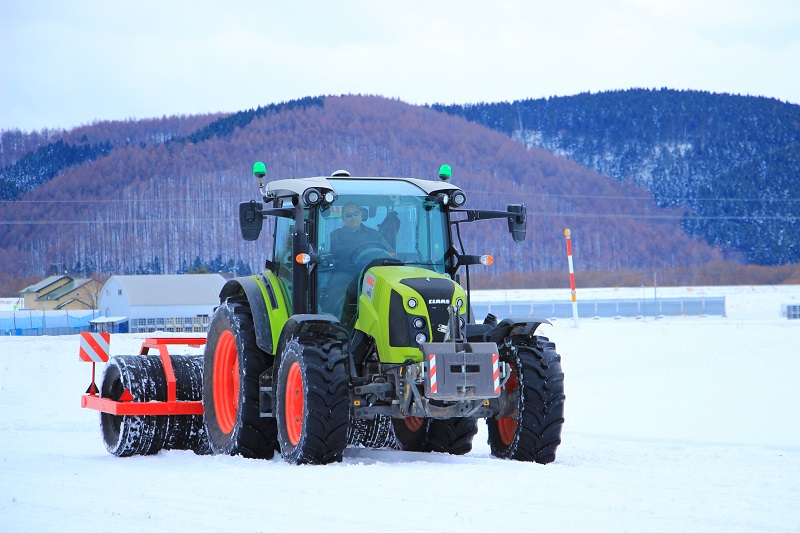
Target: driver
{"points": [[344, 241]]}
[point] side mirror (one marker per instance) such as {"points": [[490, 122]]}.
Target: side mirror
{"points": [[517, 222], [251, 219]]}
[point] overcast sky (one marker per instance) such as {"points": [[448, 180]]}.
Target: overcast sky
{"points": [[67, 63]]}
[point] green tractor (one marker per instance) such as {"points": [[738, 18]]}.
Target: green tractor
{"points": [[359, 333]]}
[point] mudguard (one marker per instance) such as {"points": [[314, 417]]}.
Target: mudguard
{"points": [[267, 304], [514, 326], [309, 324]]}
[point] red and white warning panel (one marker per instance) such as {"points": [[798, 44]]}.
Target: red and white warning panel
{"points": [[94, 347], [434, 387], [496, 372]]}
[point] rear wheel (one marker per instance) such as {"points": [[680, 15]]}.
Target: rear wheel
{"points": [[312, 402], [127, 435], [232, 366], [452, 435], [411, 433], [371, 433], [537, 384]]}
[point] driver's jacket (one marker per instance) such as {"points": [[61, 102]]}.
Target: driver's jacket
{"points": [[344, 241]]}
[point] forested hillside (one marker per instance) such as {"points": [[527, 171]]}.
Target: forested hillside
{"points": [[165, 199], [731, 161]]}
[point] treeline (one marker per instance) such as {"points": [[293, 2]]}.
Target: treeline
{"points": [[224, 126], [755, 208], [691, 149], [15, 144], [39, 167], [177, 201], [217, 265], [26, 170]]}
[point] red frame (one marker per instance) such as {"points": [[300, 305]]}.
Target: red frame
{"points": [[172, 406]]}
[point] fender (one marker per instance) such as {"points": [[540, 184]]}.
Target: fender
{"points": [[267, 305], [307, 325], [514, 326]]}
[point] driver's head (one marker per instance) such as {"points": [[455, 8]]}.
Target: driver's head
{"points": [[351, 214]]}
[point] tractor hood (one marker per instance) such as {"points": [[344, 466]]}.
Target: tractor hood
{"points": [[414, 305]]}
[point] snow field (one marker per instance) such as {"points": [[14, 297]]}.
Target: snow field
{"points": [[681, 424]]}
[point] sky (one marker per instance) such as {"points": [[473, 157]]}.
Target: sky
{"points": [[69, 63]]}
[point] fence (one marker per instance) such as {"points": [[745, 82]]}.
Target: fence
{"points": [[604, 308], [189, 324], [28, 322]]}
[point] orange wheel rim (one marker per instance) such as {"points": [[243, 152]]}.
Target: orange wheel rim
{"points": [[414, 423], [226, 381], [507, 427], [294, 403]]}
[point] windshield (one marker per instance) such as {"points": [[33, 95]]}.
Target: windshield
{"points": [[411, 228]]}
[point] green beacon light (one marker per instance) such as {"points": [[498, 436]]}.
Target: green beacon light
{"points": [[259, 171], [445, 172]]}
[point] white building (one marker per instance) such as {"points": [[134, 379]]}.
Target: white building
{"points": [[170, 302]]}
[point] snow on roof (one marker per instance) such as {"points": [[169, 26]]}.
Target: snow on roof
{"points": [[108, 319], [36, 287], [67, 288], [172, 289]]}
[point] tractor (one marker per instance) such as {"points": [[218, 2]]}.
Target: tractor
{"points": [[359, 333]]}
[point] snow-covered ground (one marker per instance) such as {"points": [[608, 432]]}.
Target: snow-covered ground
{"points": [[680, 424]]}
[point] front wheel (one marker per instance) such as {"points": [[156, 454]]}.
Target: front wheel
{"points": [[312, 402], [533, 433]]}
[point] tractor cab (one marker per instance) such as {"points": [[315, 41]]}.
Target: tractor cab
{"points": [[367, 220]]}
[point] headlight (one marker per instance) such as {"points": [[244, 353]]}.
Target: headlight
{"points": [[312, 197], [412, 303], [458, 199], [420, 338], [419, 323]]}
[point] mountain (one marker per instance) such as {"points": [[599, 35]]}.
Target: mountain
{"points": [[165, 197], [730, 162]]}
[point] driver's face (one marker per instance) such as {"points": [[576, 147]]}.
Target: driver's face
{"points": [[352, 217]]}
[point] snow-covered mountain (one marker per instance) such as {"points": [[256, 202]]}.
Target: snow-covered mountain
{"points": [[732, 161]]}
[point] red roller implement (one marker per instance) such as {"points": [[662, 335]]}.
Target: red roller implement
{"points": [[125, 406]]}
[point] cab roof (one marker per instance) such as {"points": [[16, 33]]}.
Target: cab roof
{"points": [[291, 187]]}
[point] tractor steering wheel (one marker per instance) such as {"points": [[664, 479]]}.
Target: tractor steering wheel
{"points": [[363, 253]]}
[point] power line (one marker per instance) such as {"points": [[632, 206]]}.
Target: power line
{"points": [[221, 199], [638, 198], [125, 221], [632, 216]]}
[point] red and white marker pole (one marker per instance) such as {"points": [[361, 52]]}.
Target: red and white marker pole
{"points": [[572, 279]]}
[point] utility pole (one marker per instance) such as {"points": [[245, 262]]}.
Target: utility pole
{"points": [[655, 295], [572, 278]]}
